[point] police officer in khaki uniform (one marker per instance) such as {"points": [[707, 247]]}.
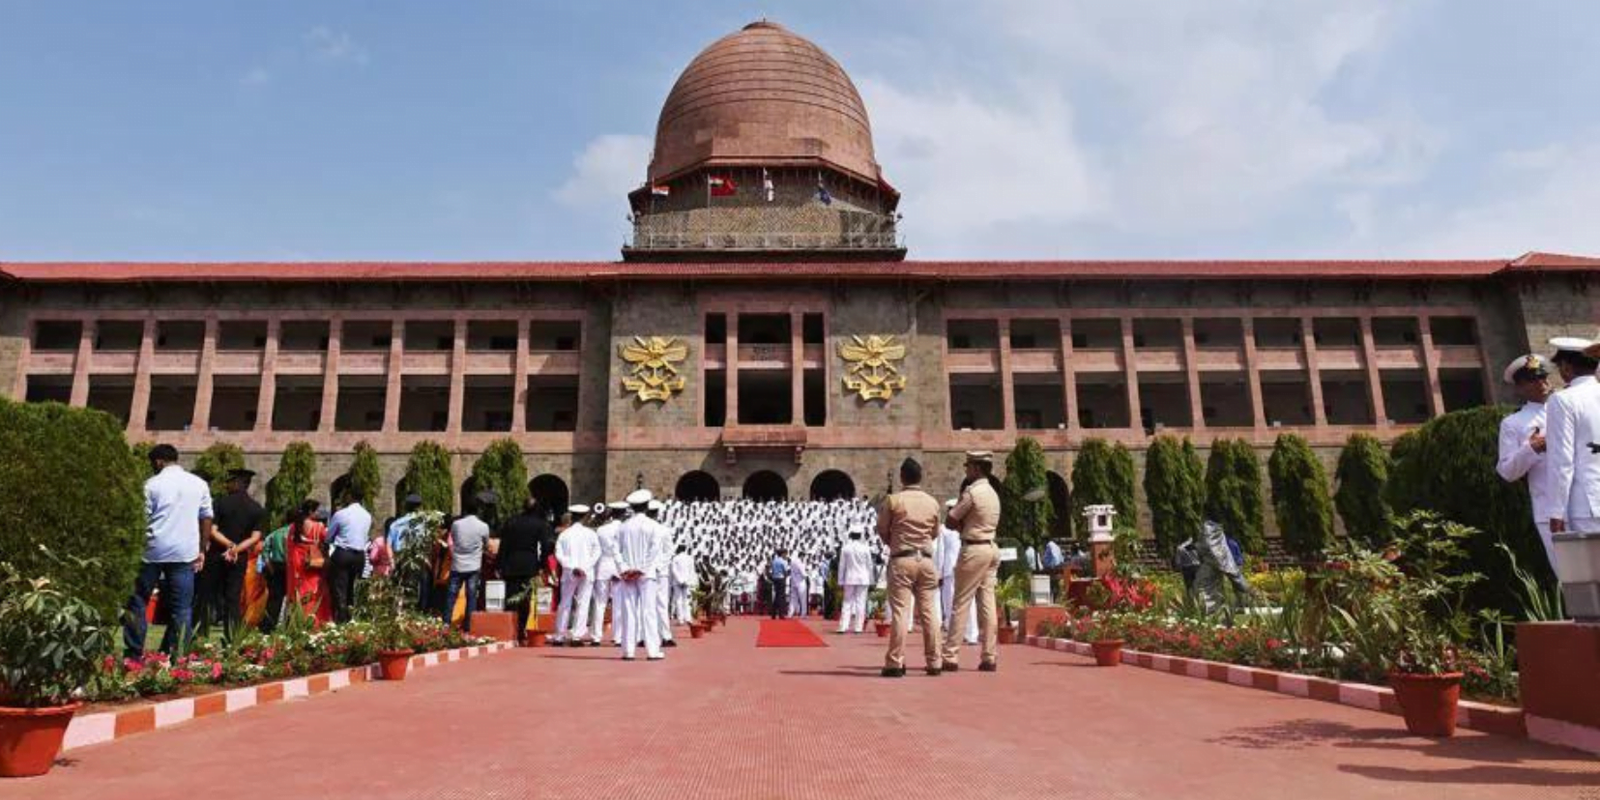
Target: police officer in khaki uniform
{"points": [[909, 526], [976, 515]]}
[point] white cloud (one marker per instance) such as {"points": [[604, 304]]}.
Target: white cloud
{"points": [[326, 44], [609, 167]]}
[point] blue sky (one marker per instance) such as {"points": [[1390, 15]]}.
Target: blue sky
{"points": [[413, 130]]}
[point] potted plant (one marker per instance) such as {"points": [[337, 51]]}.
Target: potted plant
{"points": [[383, 606], [51, 645], [1427, 682], [878, 599], [1104, 630], [1011, 596]]}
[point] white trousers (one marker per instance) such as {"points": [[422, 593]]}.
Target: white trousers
{"points": [[600, 600], [853, 611], [797, 600], [947, 598], [1549, 544], [663, 590], [637, 599], [680, 603], [572, 618]]}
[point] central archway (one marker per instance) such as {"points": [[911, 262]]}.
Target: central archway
{"points": [[551, 493], [765, 485], [1060, 502], [697, 486], [832, 484]]}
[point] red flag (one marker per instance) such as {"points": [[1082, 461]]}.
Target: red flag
{"points": [[721, 186]]}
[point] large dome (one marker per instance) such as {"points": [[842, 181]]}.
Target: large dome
{"points": [[763, 96]]}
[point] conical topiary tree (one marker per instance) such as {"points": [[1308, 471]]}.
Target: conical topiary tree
{"points": [[1363, 470], [501, 470], [428, 475], [366, 475], [1024, 520], [1300, 497], [1233, 493], [297, 472], [1102, 473], [215, 462], [1175, 489]]}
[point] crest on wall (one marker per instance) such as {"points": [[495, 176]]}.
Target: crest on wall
{"points": [[653, 375], [870, 370]]}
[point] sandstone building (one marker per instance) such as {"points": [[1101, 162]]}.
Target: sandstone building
{"points": [[764, 298]]}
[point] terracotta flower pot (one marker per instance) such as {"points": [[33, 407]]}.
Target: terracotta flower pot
{"points": [[1428, 702], [535, 639], [1107, 652], [30, 738], [696, 630], [1007, 634], [394, 664], [882, 628]]}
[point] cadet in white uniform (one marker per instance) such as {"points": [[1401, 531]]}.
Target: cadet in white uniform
{"points": [[855, 575], [1573, 416], [605, 574], [797, 589], [663, 574], [577, 551], [949, 553], [1522, 442], [684, 581], [636, 562], [617, 512]]}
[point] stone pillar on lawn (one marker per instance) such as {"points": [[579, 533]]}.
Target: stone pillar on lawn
{"points": [[1102, 539]]}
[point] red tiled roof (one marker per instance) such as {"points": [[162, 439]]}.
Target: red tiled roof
{"points": [[228, 272]]}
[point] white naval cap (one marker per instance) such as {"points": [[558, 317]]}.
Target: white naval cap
{"points": [[1532, 362], [951, 503], [578, 510], [618, 506], [1571, 344], [640, 497], [655, 505]]}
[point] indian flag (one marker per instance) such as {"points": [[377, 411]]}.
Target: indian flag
{"points": [[660, 190]]}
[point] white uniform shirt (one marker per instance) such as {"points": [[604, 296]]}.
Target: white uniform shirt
{"points": [[1573, 415], [664, 550], [855, 564], [606, 568], [949, 552], [175, 501], [636, 546], [578, 547], [683, 572], [1518, 459]]}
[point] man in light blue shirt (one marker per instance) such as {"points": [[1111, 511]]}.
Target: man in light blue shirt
{"points": [[178, 509], [347, 552]]}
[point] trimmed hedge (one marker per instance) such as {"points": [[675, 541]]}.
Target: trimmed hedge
{"points": [[1300, 497], [1363, 471], [1103, 473], [366, 475], [428, 475], [501, 470], [1233, 493], [69, 481], [1026, 470], [214, 464], [1174, 488], [297, 470]]}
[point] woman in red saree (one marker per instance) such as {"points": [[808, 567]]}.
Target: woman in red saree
{"points": [[303, 549]]}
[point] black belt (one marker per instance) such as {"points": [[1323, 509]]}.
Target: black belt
{"points": [[975, 542], [909, 553]]}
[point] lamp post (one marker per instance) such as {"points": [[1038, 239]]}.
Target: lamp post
{"points": [[1102, 539]]}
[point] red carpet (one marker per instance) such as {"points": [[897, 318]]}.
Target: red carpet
{"points": [[787, 633]]}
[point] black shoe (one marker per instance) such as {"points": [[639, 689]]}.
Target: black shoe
{"points": [[933, 672], [988, 666], [951, 666], [670, 643], [627, 658], [594, 644], [894, 672], [658, 658]]}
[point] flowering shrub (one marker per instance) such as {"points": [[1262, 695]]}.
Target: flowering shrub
{"points": [[257, 657]]}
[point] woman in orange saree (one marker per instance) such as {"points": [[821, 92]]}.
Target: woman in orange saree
{"points": [[305, 559]]}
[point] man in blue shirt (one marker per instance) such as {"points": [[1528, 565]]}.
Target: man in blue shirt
{"points": [[347, 553], [778, 581], [401, 535], [178, 508]]}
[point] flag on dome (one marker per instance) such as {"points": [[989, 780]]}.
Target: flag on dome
{"points": [[660, 190], [721, 186]]}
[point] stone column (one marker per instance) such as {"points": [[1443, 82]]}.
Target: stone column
{"points": [[1008, 409], [797, 368], [139, 409], [1430, 366], [731, 369], [1069, 378], [269, 381], [330, 376], [458, 375], [1369, 355], [1130, 372], [1247, 327], [395, 378], [203, 389], [1308, 339], [80, 365], [1191, 366], [519, 377]]}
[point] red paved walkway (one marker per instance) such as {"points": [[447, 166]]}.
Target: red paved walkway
{"points": [[723, 719]]}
